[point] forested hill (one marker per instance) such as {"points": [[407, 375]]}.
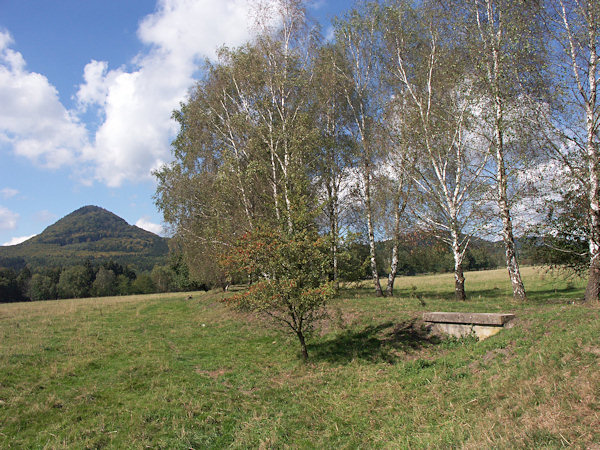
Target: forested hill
{"points": [[89, 233]]}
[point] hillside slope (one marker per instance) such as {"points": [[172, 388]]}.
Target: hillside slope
{"points": [[167, 371], [89, 233]]}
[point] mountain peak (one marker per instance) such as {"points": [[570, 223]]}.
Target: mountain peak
{"points": [[87, 209], [86, 224], [90, 232]]}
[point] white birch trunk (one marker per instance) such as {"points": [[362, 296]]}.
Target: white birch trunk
{"points": [[512, 263], [394, 265], [490, 31], [371, 230], [274, 187], [399, 209], [592, 292], [587, 15], [458, 254]]}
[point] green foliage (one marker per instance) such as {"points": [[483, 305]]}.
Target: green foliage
{"points": [[105, 283], [180, 274], [42, 287], [162, 277], [74, 282], [143, 284], [110, 278], [419, 253], [353, 259], [289, 278], [23, 280], [9, 287], [124, 284], [561, 240], [11, 262]]}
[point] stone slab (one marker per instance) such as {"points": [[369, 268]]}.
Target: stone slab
{"points": [[462, 330], [494, 319]]}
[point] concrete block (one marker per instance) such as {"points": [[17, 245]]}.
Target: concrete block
{"points": [[481, 325]]}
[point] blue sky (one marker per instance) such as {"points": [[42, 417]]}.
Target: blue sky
{"points": [[87, 88]]}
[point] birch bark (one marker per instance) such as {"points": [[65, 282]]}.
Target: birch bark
{"points": [[399, 207], [581, 26], [592, 292], [447, 174], [458, 253], [359, 43], [491, 32]]}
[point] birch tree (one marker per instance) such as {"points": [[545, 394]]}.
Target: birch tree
{"points": [[504, 41], [242, 182], [285, 131], [357, 35], [212, 190], [245, 141], [337, 152], [576, 28], [429, 74], [398, 166]]}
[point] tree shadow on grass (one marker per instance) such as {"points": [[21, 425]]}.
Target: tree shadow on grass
{"points": [[450, 295], [386, 342], [537, 295]]}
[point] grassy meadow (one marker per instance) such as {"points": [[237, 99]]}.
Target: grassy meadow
{"points": [[161, 371]]}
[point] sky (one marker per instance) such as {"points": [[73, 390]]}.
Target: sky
{"points": [[87, 89]]}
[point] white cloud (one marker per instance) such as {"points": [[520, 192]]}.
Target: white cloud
{"points": [[97, 80], [9, 192], [8, 219], [18, 240], [32, 119], [134, 102], [145, 224], [135, 135], [330, 34]]}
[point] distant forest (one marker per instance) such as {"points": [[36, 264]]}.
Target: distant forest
{"points": [[418, 255], [92, 280]]}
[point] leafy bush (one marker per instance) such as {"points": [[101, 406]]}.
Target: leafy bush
{"points": [[288, 275]]}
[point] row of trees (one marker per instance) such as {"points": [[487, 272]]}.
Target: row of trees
{"points": [[417, 254], [418, 115], [427, 115], [87, 280]]}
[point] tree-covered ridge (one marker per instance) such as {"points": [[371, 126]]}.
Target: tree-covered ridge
{"points": [[89, 233], [92, 224]]}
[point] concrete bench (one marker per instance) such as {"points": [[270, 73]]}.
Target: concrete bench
{"points": [[482, 325]]}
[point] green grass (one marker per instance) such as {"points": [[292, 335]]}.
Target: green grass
{"points": [[165, 372]]}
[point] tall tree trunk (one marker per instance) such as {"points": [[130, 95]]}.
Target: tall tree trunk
{"points": [[459, 282], [389, 291], [512, 263], [592, 292], [371, 231], [333, 227], [334, 248], [274, 186], [586, 15], [459, 278], [286, 188], [396, 242]]}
